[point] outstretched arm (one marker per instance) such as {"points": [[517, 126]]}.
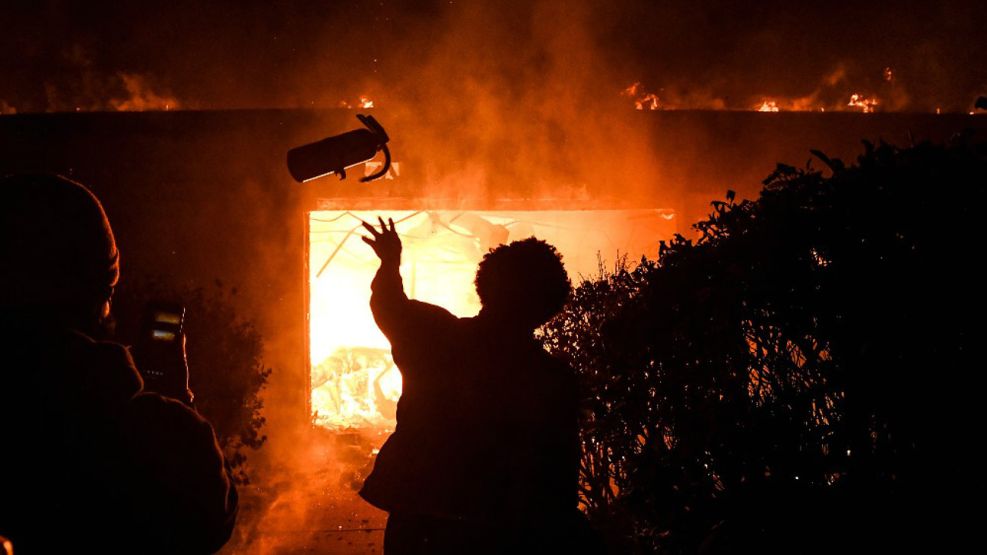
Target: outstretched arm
{"points": [[388, 300], [409, 325], [387, 285]]}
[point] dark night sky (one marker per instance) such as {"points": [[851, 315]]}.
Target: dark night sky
{"points": [[57, 54]]}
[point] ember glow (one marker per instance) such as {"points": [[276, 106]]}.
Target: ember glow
{"points": [[363, 102], [642, 100], [354, 382], [647, 102], [866, 104], [768, 106], [834, 92]]}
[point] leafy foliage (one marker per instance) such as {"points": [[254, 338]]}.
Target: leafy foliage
{"points": [[808, 361]]}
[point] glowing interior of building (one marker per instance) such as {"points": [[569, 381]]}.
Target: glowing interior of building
{"points": [[354, 383]]}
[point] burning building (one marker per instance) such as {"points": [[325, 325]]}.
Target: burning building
{"points": [[601, 127], [202, 196]]}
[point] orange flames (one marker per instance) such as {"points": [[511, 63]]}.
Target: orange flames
{"points": [[829, 95], [363, 102], [768, 106], [354, 382], [642, 100], [810, 103], [866, 104]]}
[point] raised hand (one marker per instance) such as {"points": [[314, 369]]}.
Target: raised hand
{"points": [[385, 242]]}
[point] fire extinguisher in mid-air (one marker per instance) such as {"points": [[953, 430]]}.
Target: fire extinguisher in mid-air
{"points": [[338, 153]]}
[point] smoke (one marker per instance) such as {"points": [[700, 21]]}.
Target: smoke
{"points": [[85, 87], [474, 115], [305, 53], [141, 96], [120, 92], [479, 94], [308, 503], [836, 92], [494, 97]]}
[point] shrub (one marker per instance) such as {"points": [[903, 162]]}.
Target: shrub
{"points": [[806, 367]]}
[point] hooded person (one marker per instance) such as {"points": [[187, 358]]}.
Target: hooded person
{"points": [[88, 460]]}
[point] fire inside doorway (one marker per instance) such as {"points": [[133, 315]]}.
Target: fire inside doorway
{"points": [[354, 382]]}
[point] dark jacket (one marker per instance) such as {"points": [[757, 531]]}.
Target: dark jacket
{"points": [[486, 424], [90, 463]]}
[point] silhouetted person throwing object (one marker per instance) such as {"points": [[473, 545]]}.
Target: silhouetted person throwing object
{"points": [[484, 457], [88, 462]]}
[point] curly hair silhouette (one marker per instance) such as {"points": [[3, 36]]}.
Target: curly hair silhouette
{"points": [[524, 282]]}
